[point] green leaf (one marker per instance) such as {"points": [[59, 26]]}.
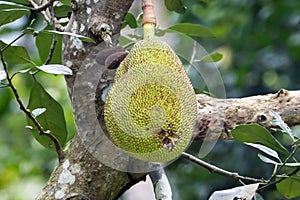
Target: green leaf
{"points": [[62, 11], [23, 2], [15, 54], [7, 4], [139, 20], [125, 42], [214, 57], [175, 5], [66, 2], [193, 30], [52, 119], [265, 149], [81, 37], [43, 43], [10, 12], [289, 187], [56, 69], [2, 75], [130, 20], [254, 133]]}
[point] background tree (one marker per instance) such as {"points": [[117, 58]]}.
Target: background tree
{"points": [[258, 57]]}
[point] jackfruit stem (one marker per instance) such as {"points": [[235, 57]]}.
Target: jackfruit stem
{"points": [[149, 19], [149, 31]]}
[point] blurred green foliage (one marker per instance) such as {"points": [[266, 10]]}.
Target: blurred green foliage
{"points": [[260, 44]]}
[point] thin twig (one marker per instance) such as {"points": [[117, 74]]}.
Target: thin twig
{"points": [[42, 9], [41, 130], [192, 57], [52, 48], [279, 168], [283, 164], [54, 38], [44, 6], [218, 170], [279, 180]]}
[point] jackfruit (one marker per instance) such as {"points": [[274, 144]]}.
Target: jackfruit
{"points": [[150, 111]]}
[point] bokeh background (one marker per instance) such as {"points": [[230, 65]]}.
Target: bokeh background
{"points": [[260, 44]]}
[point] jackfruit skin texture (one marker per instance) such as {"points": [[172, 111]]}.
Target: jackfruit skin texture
{"points": [[151, 94]]}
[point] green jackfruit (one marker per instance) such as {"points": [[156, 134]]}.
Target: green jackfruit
{"points": [[151, 109]]}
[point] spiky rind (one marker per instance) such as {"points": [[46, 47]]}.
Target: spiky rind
{"points": [[152, 95]]}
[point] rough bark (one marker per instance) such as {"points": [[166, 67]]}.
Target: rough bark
{"points": [[217, 117], [81, 176]]}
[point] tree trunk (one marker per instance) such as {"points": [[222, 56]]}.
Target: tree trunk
{"points": [[81, 176]]}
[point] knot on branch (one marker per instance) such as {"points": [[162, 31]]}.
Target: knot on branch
{"points": [[281, 93], [101, 31]]}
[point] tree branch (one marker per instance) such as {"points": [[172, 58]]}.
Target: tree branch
{"points": [[161, 185], [44, 6], [217, 117], [46, 13], [54, 38], [220, 171]]}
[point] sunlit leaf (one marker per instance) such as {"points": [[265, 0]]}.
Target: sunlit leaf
{"points": [[29, 127], [52, 119], [254, 133], [265, 149], [2, 75], [175, 5], [194, 30], [130, 20], [38, 111], [56, 69], [24, 71], [214, 57], [266, 159], [244, 192], [289, 187], [139, 19], [15, 54]]}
